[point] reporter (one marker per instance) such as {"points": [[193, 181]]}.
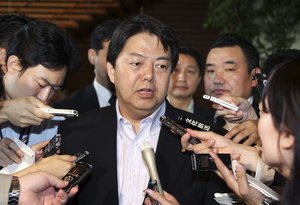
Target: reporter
{"points": [[280, 135], [31, 74], [20, 111], [36, 189]]}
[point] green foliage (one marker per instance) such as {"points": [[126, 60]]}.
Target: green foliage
{"points": [[269, 24]]}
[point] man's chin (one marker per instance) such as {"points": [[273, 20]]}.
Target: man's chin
{"points": [[219, 94]]}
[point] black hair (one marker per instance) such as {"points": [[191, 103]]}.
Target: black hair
{"points": [[139, 24], [194, 54], [41, 42], [279, 58], [231, 40], [281, 99], [103, 32], [9, 24]]}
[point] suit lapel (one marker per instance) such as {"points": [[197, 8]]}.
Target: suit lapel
{"points": [[92, 95], [109, 151], [169, 159]]}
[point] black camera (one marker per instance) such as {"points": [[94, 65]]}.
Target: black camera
{"points": [[53, 147], [79, 172]]}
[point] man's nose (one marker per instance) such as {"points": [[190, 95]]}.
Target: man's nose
{"points": [[219, 77], [45, 94], [148, 70], [182, 76]]}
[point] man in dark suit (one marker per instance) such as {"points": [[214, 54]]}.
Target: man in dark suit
{"points": [[141, 56], [185, 80], [230, 69], [100, 92]]}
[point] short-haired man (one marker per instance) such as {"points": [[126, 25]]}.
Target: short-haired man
{"points": [[142, 53], [100, 92], [230, 68], [9, 24], [231, 65], [185, 80], [38, 57]]}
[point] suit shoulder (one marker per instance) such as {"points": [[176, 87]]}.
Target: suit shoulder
{"points": [[79, 94], [93, 116], [204, 112], [82, 100]]}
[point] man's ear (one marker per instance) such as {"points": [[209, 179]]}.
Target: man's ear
{"points": [[13, 65], [2, 56], [253, 73], [92, 56], [111, 72]]}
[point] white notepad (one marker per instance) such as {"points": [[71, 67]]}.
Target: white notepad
{"points": [[27, 160]]}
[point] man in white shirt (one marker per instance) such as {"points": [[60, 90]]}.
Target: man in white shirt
{"points": [[38, 57], [141, 56]]}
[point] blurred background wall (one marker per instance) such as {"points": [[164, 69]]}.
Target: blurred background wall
{"points": [[269, 24]]}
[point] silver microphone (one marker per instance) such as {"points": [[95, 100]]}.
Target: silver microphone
{"points": [[149, 158]]}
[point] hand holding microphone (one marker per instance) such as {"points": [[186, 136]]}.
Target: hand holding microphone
{"points": [[149, 158]]}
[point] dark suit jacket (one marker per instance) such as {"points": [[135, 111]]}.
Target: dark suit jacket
{"points": [[96, 132], [203, 113], [83, 100]]}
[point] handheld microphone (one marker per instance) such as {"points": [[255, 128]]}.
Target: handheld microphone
{"points": [[149, 158]]}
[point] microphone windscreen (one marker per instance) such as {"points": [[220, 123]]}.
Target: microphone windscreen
{"points": [[149, 158]]}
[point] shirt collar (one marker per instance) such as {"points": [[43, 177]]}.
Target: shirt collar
{"points": [[250, 100], [154, 117], [103, 93], [190, 108]]}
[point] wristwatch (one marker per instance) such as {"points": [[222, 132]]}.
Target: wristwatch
{"points": [[267, 201], [14, 191]]}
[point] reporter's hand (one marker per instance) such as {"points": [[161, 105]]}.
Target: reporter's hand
{"points": [[23, 111], [167, 199], [38, 149], [39, 188], [9, 152], [245, 111], [56, 165], [239, 184], [208, 140], [219, 144], [246, 131]]}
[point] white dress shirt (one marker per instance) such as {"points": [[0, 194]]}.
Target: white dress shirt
{"points": [[133, 176], [103, 94]]}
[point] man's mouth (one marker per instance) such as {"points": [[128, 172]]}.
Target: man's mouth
{"points": [[146, 92]]}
